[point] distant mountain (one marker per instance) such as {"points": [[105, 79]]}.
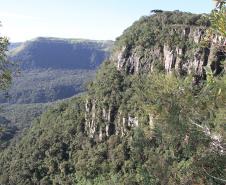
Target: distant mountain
{"points": [[55, 53], [53, 68], [145, 119]]}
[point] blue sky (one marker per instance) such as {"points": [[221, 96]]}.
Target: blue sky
{"points": [[91, 19]]}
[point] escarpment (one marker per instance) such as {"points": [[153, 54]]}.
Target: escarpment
{"points": [[169, 45], [112, 122], [141, 121], [186, 58], [170, 42]]}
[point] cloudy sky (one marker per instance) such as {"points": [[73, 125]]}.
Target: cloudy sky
{"points": [[91, 19]]}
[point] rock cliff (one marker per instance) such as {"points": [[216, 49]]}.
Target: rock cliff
{"points": [[162, 42], [182, 58]]}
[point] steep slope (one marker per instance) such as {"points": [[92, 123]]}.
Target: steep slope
{"points": [[150, 44], [14, 119], [168, 42], [143, 126], [46, 85], [52, 68]]}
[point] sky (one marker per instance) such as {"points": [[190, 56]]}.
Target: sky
{"points": [[89, 19]]}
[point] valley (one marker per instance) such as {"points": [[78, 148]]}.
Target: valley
{"points": [[46, 70], [146, 109]]}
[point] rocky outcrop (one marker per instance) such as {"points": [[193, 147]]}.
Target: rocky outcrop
{"points": [[93, 127], [170, 57], [125, 123], [90, 125], [129, 63], [107, 123], [180, 58], [179, 49]]}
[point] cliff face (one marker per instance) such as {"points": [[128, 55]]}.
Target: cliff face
{"points": [[160, 42], [114, 121], [182, 59], [139, 122]]}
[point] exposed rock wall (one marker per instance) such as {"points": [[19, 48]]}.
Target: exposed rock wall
{"points": [[109, 122], [182, 59], [187, 57]]}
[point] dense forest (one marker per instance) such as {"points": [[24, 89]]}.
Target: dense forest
{"points": [[154, 114], [45, 70], [16, 118], [49, 69], [48, 85]]}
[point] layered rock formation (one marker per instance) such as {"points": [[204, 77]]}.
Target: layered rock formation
{"points": [[181, 59], [136, 124], [102, 124], [166, 45]]}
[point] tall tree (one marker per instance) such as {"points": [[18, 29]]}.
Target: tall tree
{"points": [[218, 25], [5, 73]]}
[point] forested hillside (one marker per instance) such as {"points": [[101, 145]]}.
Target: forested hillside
{"points": [[154, 115], [45, 70], [48, 85], [53, 68], [15, 119]]}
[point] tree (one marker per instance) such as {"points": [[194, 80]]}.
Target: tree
{"points": [[219, 3], [218, 26], [5, 73], [218, 18]]}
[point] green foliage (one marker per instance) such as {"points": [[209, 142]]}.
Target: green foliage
{"points": [[175, 150], [15, 119], [107, 85], [5, 73], [217, 18], [154, 30], [218, 21], [7, 132], [218, 26], [179, 140]]}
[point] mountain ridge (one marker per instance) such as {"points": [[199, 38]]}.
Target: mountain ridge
{"points": [[71, 62], [45, 52], [150, 126]]}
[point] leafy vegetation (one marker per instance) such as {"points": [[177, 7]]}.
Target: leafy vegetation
{"points": [[151, 31], [5, 73], [180, 137], [15, 119], [217, 18], [176, 149]]}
